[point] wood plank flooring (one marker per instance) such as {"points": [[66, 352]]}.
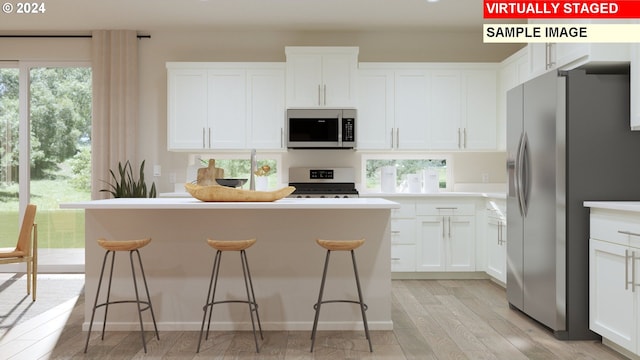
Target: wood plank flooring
{"points": [[433, 319]]}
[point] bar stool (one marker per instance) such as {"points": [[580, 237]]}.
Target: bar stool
{"points": [[340, 245], [132, 246], [222, 246]]}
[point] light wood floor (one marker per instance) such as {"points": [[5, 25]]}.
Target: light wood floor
{"points": [[433, 319]]}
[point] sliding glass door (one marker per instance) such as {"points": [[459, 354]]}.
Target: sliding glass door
{"points": [[46, 157]]}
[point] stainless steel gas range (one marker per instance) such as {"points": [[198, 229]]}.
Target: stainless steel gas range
{"points": [[323, 182]]}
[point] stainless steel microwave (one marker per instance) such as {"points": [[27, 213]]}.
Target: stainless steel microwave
{"points": [[321, 128]]}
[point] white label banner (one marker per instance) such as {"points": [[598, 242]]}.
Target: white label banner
{"points": [[559, 33]]}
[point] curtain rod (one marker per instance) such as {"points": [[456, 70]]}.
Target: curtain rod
{"points": [[61, 36]]}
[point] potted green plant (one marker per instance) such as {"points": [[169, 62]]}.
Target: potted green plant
{"points": [[126, 186]]}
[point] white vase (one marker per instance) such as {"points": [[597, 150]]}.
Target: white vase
{"points": [[262, 183]]}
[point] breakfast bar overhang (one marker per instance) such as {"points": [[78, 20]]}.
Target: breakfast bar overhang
{"points": [[285, 263]]}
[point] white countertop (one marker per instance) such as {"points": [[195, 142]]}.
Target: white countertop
{"points": [[614, 205], [191, 203], [438, 194]]}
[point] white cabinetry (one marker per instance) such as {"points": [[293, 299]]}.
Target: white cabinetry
{"points": [[403, 237], [463, 109], [496, 240], [427, 106], [447, 238], [321, 76], [225, 106], [513, 71], [614, 277], [547, 56]]}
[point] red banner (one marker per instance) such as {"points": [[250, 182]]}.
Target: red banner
{"points": [[561, 9]]}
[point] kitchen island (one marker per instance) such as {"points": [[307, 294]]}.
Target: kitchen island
{"points": [[286, 263]]}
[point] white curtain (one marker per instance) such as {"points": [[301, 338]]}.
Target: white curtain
{"points": [[115, 104]]}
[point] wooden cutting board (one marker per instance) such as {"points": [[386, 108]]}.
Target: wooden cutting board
{"points": [[207, 176]]}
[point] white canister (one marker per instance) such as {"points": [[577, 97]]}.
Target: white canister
{"points": [[414, 182], [388, 179], [430, 181]]}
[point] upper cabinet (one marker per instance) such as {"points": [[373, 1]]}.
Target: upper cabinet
{"points": [[225, 106], [427, 106], [548, 56], [321, 76]]}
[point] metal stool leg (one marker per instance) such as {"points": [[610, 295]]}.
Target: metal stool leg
{"points": [[138, 302], [106, 303], [95, 302], [213, 283], [362, 305], [317, 305], [146, 288], [251, 299]]}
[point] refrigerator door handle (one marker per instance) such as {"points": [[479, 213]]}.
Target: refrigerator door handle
{"points": [[520, 173], [526, 174]]}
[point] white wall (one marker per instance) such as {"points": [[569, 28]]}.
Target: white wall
{"points": [[163, 46]]}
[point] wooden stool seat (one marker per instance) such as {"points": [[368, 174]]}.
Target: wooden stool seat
{"points": [[231, 245], [123, 245], [340, 245]]}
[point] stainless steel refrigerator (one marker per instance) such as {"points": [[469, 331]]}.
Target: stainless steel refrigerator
{"points": [[568, 141]]}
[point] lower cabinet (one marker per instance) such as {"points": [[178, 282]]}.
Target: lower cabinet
{"points": [[446, 243], [612, 300], [496, 240], [446, 236], [614, 277]]}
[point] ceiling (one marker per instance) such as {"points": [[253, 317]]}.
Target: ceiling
{"points": [[68, 16]]}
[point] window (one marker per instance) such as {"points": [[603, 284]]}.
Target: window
{"points": [[405, 165], [45, 147], [236, 167]]}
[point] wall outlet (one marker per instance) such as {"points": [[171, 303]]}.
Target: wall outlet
{"points": [[485, 177], [157, 170]]}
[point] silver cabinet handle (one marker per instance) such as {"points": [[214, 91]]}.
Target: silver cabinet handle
{"points": [[633, 271], [393, 132], [443, 227], [203, 143], [459, 138], [319, 97], [446, 208], [282, 137], [209, 137], [324, 95], [398, 138], [464, 135], [449, 218], [394, 258], [395, 231]]}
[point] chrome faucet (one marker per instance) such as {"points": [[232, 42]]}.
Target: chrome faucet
{"points": [[254, 168]]}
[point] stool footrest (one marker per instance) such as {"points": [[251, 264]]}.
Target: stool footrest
{"points": [[126, 302], [255, 306], [315, 306]]}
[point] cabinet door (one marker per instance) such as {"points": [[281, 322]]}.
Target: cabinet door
{"points": [[611, 306], [338, 80], [226, 109], [480, 115], [403, 231], [186, 109], [375, 109], [460, 243], [496, 249], [445, 128], [304, 80], [431, 251], [403, 258], [266, 108], [412, 94]]}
